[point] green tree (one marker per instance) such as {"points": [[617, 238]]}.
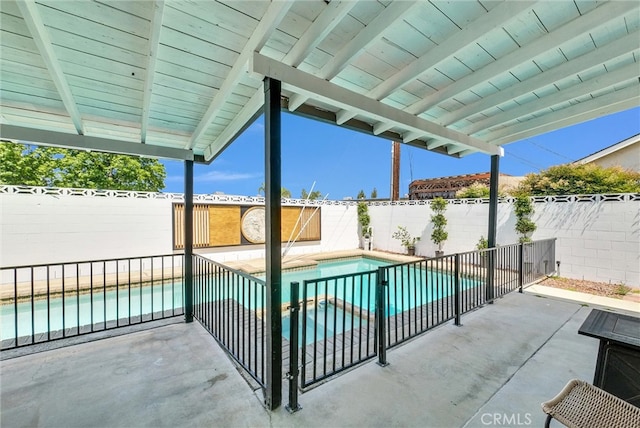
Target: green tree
{"points": [[439, 234], [581, 180], [374, 193], [311, 196], [475, 190], [364, 219], [361, 195], [523, 208], [284, 192], [56, 167]]}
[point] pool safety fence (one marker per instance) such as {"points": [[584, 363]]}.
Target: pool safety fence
{"points": [[42, 303], [229, 305], [363, 315]]}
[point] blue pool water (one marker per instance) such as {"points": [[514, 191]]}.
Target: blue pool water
{"points": [[107, 306], [319, 320], [325, 270]]}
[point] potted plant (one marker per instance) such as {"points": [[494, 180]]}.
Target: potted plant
{"points": [[407, 241], [524, 209], [364, 220], [439, 235], [482, 244]]}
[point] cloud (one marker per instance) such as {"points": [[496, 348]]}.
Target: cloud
{"points": [[212, 176]]}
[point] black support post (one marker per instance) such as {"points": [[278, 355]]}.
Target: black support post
{"points": [[273, 393], [294, 309], [188, 241], [458, 296], [493, 224], [381, 333]]}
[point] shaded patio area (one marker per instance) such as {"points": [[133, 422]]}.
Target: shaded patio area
{"points": [[505, 360]]}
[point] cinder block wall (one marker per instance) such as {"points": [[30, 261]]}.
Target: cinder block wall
{"points": [[598, 236], [60, 225]]}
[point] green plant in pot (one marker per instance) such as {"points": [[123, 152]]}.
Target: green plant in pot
{"points": [[482, 244], [523, 208], [364, 220], [407, 241], [439, 234]]}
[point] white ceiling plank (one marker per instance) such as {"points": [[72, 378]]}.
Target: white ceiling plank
{"points": [[434, 144], [348, 100], [267, 25], [381, 127], [606, 80], [239, 121], [83, 142], [578, 113], [152, 58], [454, 149], [408, 137], [343, 116], [601, 55], [331, 16], [32, 18], [573, 29], [364, 38], [461, 39]]}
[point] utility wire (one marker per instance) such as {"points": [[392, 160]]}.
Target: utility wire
{"points": [[560, 155]]}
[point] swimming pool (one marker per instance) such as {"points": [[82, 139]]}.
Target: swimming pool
{"points": [[88, 309], [351, 282], [324, 320], [327, 269]]}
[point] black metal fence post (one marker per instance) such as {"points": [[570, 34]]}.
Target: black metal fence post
{"points": [[457, 305], [294, 308], [381, 285], [520, 266], [491, 262]]}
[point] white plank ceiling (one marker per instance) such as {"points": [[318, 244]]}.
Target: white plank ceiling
{"points": [[184, 78]]}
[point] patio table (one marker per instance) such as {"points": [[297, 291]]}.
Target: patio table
{"points": [[618, 362]]}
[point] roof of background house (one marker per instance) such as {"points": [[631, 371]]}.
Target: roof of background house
{"points": [[609, 150]]}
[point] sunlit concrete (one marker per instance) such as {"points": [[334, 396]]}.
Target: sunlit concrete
{"points": [[506, 359]]}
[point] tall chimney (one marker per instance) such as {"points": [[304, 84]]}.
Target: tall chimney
{"points": [[395, 171]]}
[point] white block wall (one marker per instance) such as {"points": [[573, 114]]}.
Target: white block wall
{"points": [[50, 228], [598, 240], [598, 237]]}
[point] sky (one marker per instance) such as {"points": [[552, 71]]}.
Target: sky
{"points": [[343, 162]]}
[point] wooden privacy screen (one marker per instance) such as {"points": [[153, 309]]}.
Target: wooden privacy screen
{"points": [[227, 225]]}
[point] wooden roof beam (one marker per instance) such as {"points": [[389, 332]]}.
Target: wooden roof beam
{"points": [[29, 11]]}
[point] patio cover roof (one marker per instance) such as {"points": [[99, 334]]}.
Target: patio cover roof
{"points": [[182, 78]]}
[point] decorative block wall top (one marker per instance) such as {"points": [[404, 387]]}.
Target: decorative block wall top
{"points": [[58, 191]]}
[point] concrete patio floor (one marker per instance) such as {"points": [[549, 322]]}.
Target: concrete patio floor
{"points": [[495, 370]]}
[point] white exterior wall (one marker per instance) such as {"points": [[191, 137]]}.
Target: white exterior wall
{"points": [[628, 158], [598, 236], [38, 229], [70, 226], [598, 239]]}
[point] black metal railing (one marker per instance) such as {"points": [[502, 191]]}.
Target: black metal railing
{"points": [[46, 302], [230, 305], [337, 328], [349, 319]]}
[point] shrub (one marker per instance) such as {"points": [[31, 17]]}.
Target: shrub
{"points": [[439, 235], [581, 180]]}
